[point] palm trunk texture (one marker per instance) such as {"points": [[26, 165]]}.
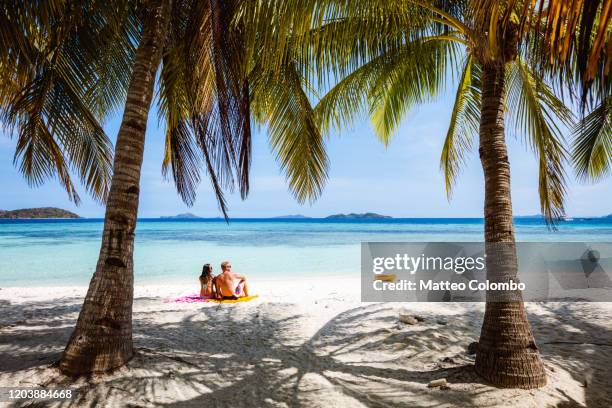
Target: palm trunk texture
{"points": [[102, 339], [507, 355]]}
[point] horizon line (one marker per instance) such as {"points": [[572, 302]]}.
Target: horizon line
{"points": [[173, 218]]}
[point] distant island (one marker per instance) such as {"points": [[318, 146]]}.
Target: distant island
{"points": [[292, 216], [353, 216], [180, 216], [43, 212]]}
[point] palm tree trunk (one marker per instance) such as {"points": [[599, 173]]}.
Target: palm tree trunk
{"points": [[507, 355], [102, 339]]}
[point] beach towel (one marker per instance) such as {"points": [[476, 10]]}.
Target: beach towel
{"points": [[187, 299], [240, 299], [197, 298]]}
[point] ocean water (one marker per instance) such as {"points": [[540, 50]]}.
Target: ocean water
{"points": [[64, 252]]}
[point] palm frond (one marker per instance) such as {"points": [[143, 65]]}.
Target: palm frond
{"points": [[570, 35], [592, 147], [349, 39], [280, 99], [464, 124], [181, 157], [534, 111], [51, 111], [204, 99], [39, 157], [181, 154], [583, 25], [331, 37], [342, 104], [388, 86], [443, 14], [65, 68], [417, 79]]}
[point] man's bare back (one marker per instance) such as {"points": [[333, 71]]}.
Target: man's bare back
{"points": [[230, 284]]}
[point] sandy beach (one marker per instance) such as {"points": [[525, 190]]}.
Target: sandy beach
{"points": [[321, 347]]}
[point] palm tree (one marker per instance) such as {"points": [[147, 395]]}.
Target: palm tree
{"points": [[386, 57], [102, 339], [205, 96], [109, 53]]}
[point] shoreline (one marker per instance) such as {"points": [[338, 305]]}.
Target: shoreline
{"points": [[184, 284], [268, 289]]}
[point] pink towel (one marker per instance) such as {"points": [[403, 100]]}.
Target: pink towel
{"points": [[188, 299]]}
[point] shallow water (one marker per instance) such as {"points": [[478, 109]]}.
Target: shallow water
{"points": [[64, 252]]}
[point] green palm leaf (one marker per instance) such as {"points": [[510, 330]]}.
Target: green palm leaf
{"points": [[464, 124], [181, 156], [592, 148], [280, 99], [391, 83], [50, 111], [534, 111], [417, 79], [65, 67], [203, 98], [345, 101]]}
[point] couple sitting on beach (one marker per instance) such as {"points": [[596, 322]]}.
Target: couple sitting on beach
{"points": [[226, 285]]}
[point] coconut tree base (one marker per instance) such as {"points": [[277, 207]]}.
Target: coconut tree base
{"points": [[518, 370], [95, 357], [102, 339], [507, 355]]}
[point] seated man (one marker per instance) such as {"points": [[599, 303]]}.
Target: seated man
{"points": [[230, 285]]}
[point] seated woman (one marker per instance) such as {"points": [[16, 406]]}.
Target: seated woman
{"points": [[207, 285]]}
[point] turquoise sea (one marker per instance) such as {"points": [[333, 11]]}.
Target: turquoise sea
{"points": [[64, 252]]}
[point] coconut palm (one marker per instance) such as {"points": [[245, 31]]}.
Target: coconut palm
{"points": [[385, 57], [496, 84], [205, 98], [113, 53]]}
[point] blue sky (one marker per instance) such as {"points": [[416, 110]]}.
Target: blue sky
{"points": [[402, 180]]}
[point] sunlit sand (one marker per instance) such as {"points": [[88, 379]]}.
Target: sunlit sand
{"points": [[308, 342]]}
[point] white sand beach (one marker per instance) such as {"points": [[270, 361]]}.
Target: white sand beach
{"points": [[303, 342]]}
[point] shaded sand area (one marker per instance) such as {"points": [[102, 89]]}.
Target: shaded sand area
{"points": [[321, 348]]}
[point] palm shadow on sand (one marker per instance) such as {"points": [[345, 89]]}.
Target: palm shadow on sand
{"points": [[239, 356]]}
